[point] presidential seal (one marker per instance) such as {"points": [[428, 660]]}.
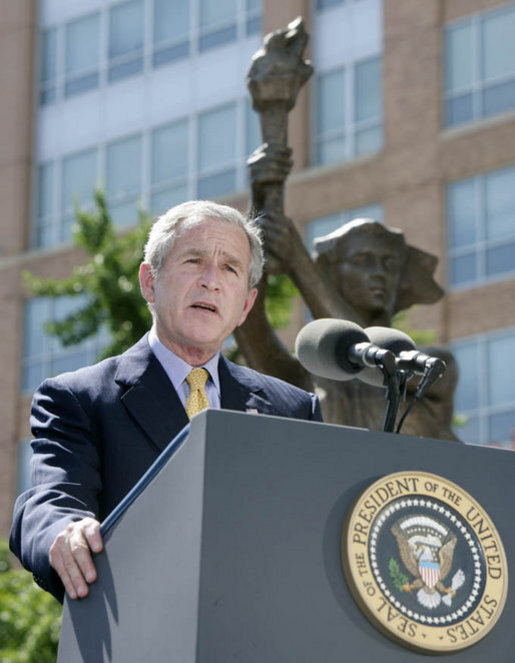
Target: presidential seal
{"points": [[424, 562]]}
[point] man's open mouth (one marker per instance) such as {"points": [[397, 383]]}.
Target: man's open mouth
{"points": [[205, 307]]}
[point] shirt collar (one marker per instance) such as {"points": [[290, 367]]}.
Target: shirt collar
{"points": [[176, 368]]}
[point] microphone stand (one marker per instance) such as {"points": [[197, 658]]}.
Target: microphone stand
{"points": [[395, 382], [433, 370]]}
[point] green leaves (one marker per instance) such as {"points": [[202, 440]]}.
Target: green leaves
{"points": [[30, 619], [108, 279], [399, 579], [279, 300]]}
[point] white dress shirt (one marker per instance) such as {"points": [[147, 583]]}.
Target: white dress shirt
{"points": [[177, 370]]}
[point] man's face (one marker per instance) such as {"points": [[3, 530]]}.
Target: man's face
{"points": [[368, 276], [201, 293]]}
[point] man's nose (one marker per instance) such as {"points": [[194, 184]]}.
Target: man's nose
{"points": [[209, 277]]}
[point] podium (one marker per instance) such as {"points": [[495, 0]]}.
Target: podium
{"points": [[229, 547]]}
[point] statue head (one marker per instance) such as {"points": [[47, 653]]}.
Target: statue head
{"points": [[375, 270]]}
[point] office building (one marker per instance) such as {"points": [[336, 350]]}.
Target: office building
{"points": [[409, 118]]}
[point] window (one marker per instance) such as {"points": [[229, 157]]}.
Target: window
{"points": [[79, 179], [71, 182], [326, 225], [201, 156], [48, 67], [170, 166], [217, 23], [123, 178], [181, 28], [480, 66], [44, 211], [348, 112], [82, 52], [253, 19], [481, 233], [171, 31], [44, 355], [217, 152], [327, 4], [126, 24], [114, 43], [485, 397]]}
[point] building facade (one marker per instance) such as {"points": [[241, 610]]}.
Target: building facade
{"points": [[409, 118]]}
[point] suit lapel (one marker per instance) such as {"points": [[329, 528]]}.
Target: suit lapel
{"points": [[153, 403], [150, 397], [241, 391]]}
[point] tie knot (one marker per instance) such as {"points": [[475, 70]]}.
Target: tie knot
{"points": [[197, 378]]}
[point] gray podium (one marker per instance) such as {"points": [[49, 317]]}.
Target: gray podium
{"points": [[229, 550]]}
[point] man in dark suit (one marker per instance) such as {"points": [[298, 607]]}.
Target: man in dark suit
{"points": [[99, 428]]}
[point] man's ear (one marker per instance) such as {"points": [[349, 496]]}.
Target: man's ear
{"points": [[249, 303], [146, 281]]}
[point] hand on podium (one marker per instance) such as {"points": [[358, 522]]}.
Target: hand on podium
{"points": [[70, 556]]}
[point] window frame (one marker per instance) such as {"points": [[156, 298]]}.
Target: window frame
{"points": [[53, 222], [485, 409], [479, 247], [479, 84], [144, 59], [351, 127], [50, 349]]}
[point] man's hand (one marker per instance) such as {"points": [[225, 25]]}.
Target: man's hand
{"points": [[70, 555]]}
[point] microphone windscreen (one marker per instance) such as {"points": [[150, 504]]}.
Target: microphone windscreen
{"points": [[389, 339], [322, 347]]}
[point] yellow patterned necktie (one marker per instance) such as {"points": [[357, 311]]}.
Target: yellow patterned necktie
{"points": [[197, 398]]}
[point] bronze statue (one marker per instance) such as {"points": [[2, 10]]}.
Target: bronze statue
{"points": [[364, 272]]}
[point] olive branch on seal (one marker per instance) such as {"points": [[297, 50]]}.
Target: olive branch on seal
{"points": [[398, 578]]}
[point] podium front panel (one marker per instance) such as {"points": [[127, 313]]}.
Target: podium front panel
{"points": [[250, 513]]}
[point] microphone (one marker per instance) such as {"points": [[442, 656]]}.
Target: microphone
{"points": [[339, 350], [408, 358], [392, 340]]}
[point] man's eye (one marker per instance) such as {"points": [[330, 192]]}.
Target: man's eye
{"points": [[230, 268]]}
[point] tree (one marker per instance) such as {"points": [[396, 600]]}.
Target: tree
{"points": [[109, 279], [30, 618]]}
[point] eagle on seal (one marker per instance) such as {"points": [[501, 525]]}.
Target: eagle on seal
{"points": [[427, 548]]}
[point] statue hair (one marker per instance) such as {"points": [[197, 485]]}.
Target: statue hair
{"points": [[416, 284]]}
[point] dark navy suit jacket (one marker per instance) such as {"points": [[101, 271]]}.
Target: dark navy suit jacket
{"points": [[98, 429]]}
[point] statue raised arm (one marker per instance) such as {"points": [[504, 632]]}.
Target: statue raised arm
{"points": [[363, 272]]}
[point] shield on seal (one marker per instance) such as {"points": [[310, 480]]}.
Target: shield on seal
{"points": [[429, 572]]}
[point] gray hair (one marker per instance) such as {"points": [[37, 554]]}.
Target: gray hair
{"points": [[167, 227]]}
